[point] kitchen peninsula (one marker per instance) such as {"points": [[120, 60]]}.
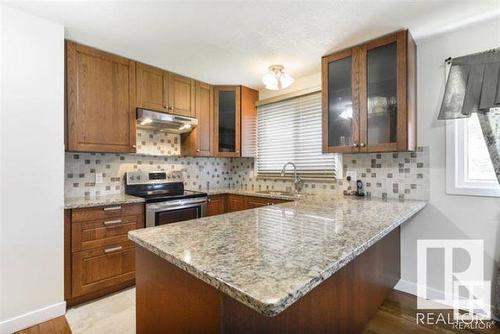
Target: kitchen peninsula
{"points": [[331, 260]]}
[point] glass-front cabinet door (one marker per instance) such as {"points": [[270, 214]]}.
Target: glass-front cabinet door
{"points": [[227, 120], [369, 96], [382, 94], [340, 82]]}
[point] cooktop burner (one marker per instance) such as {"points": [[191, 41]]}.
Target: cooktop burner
{"points": [[158, 186]]}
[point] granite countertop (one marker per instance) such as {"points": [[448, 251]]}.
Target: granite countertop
{"points": [[237, 191], [87, 202], [268, 258]]}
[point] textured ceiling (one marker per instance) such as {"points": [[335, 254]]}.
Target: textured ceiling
{"points": [[234, 42]]}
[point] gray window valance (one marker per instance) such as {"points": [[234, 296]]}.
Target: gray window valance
{"points": [[473, 85]]}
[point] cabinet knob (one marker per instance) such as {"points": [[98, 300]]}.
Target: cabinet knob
{"points": [[197, 150], [355, 145], [362, 144], [237, 151], [170, 108], [134, 146]]}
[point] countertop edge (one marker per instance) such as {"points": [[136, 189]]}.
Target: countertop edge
{"points": [[273, 309], [104, 201]]}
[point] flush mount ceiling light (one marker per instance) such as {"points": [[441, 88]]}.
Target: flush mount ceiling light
{"points": [[277, 78]]}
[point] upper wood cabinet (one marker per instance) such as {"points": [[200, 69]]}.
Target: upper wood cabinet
{"points": [[152, 88], [369, 96], [163, 91], [227, 121], [235, 119], [181, 95], [199, 141], [249, 122], [100, 101]]}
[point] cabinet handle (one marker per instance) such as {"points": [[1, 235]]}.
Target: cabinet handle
{"points": [[362, 144], [355, 145], [112, 249], [113, 222], [113, 208]]}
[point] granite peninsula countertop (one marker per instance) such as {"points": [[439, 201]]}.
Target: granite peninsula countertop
{"points": [[268, 258], [256, 193], [88, 202]]}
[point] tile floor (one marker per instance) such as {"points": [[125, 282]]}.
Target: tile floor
{"points": [[112, 314]]}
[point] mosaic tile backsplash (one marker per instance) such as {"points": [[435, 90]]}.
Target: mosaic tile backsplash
{"points": [[81, 168], [385, 175], [403, 175]]}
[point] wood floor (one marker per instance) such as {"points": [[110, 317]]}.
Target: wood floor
{"points": [[396, 315], [58, 325]]}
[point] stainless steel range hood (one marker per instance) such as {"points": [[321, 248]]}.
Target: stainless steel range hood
{"points": [[154, 120]]}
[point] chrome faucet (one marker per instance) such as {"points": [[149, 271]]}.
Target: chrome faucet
{"points": [[297, 181]]}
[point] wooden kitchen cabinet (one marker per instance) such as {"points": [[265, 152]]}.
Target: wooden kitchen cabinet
{"points": [[216, 205], [99, 258], [219, 204], [103, 267], [235, 203], [163, 91], [249, 122], [100, 101], [227, 121], [369, 96], [235, 119], [256, 202], [152, 88], [181, 97], [198, 142]]}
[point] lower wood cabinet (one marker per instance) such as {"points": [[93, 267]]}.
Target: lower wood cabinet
{"points": [[235, 203], [216, 205], [103, 267], [99, 258], [224, 203]]}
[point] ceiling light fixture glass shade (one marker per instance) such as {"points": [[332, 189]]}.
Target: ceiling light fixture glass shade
{"points": [[277, 78]]}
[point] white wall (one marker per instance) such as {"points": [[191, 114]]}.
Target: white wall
{"points": [[32, 170], [447, 216]]}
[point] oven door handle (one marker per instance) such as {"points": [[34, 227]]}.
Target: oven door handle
{"points": [[157, 208]]}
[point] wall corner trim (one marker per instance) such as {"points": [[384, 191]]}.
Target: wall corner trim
{"points": [[32, 318]]}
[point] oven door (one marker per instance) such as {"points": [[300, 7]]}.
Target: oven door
{"points": [[174, 211]]}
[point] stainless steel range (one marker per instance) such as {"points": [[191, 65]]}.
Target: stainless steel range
{"points": [[166, 200]]}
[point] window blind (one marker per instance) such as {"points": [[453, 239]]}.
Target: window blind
{"points": [[290, 130]]}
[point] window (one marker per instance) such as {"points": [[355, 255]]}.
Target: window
{"points": [[290, 130], [469, 167]]}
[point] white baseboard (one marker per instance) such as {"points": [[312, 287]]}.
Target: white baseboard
{"points": [[411, 288], [32, 318]]}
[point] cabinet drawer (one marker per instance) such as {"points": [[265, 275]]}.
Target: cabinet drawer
{"points": [[106, 212], [103, 267], [99, 233]]}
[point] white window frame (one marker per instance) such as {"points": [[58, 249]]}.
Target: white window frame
{"points": [[457, 182]]}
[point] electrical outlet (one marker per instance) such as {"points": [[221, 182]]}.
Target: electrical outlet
{"points": [[98, 178], [353, 174]]}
